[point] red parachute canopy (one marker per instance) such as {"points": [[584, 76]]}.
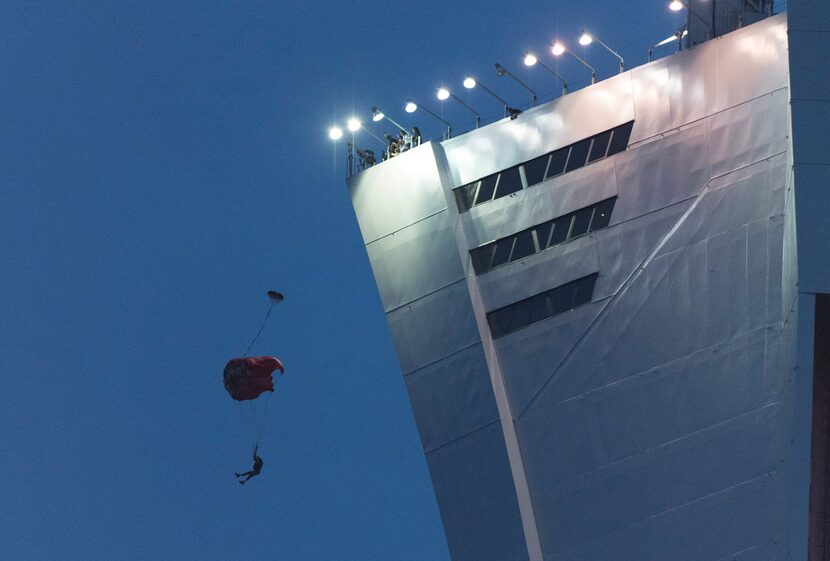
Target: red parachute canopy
{"points": [[246, 378]]}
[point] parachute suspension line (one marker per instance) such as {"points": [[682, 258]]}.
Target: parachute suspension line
{"points": [[261, 327], [261, 421]]}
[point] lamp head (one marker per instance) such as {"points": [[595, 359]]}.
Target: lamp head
{"points": [[377, 114], [585, 39], [557, 49], [335, 133], [676, 6], [469, 82], [411, 106], [442, 94], [500, 71], [530, 59]]}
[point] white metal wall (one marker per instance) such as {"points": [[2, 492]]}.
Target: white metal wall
{"points": [[659, 421]]}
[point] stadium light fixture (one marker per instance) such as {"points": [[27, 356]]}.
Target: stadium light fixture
{"points": [[443, 94], [558, 48], [531, 60], [677, 5], [378, 115], [470, 83], [411, 107], [586, 39]]}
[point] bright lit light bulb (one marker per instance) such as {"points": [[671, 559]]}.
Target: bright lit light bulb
{"points": [[335, 133], [557, 48], [530, 59], [353, 125], [585, 39], [411, 106], [378, 116], [676, 6], [469, 82], [442, 93]]}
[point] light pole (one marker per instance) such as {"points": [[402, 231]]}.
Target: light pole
{"points": [[530, 60], [586, 39], [444, 93], [558, 48], [470, 83], [502, 71], [411, 107], [378, 115], [677, 5]]}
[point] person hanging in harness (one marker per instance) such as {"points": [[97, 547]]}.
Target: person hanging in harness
{"points": [[254, 470]]}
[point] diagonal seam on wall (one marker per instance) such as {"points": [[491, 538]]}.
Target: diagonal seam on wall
{"points": [[629, 281]]}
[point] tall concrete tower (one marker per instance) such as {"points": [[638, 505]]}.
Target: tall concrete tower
{"points": [[610, 312]]}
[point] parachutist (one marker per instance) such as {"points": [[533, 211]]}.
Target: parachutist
{"points": [[254, 471]]}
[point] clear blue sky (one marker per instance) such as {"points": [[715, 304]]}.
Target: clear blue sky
{"points": [[163, 164]]}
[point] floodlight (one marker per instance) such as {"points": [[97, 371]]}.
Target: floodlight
{"points": [[531, 60], [587, 38], [335, 133], [411, 107], [677, 5], [378, 115], [353, 125], [444, 93], [672, 38], [558, 48], [470, 82]]}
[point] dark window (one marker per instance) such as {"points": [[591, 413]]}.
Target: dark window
{"points": [[543, 235], [600, 146], [509, 182], [582, 219], [524, 245], [522, 313], [557, 162], [619, 140], [541, 306], [502, 254], [486, 189], [465, 196], [584, 290], [579, 153], [535, 170], [499, 321], [536, 239], [561, 226], [481, 257], [602, 214], [541, 309]]}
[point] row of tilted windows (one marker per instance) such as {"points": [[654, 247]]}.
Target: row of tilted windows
{"points": [[542, 236], [541, 306], [539, 169]]}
